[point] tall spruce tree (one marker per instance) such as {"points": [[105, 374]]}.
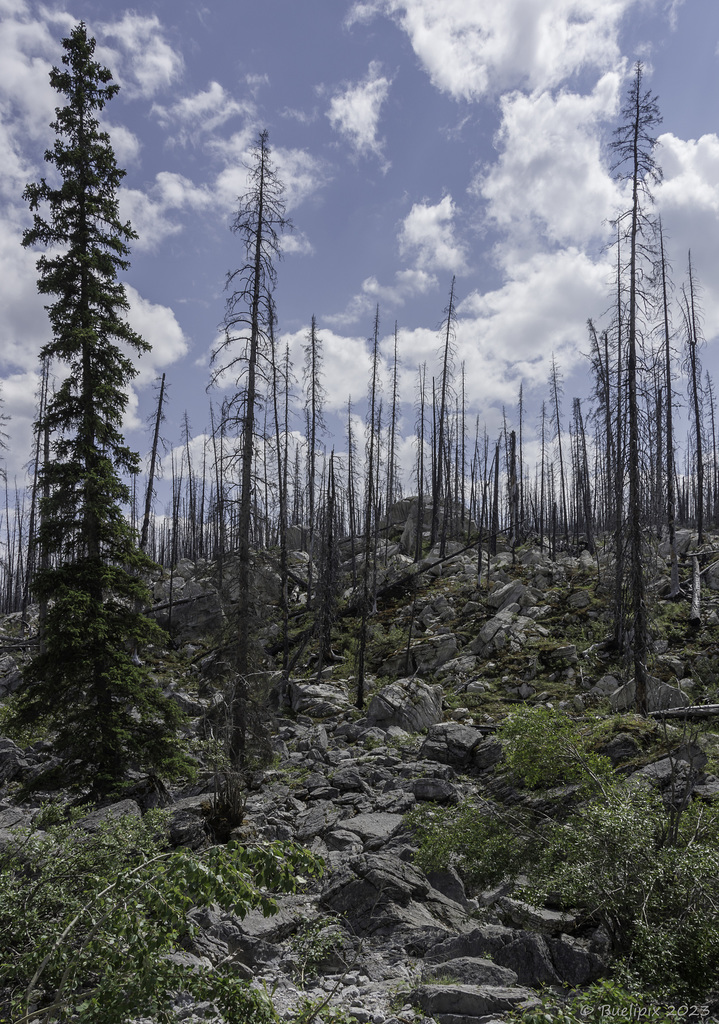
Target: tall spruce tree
{"points": [[104, 708]]}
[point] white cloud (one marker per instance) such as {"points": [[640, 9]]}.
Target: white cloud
{"points": [[355, 112], [346, 364], [152, 213], [125, 144], [203, 112], [158, 326], [144, 62], [428, 236], [688, 201], [551, 176], [509, 334], [407, 283], [472, 49], [427, 240], [302, 174]]}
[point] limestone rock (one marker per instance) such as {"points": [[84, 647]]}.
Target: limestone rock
{"points": [[471, 1001], [410, 704], [93, 821], [660, 696]]}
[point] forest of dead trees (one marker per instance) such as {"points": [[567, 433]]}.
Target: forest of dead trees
{"points": [[469, 481], [266, 467]]}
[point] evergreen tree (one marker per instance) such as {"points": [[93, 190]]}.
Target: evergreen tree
{"points": [[87, 683]]}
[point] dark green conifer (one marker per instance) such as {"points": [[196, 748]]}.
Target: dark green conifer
{"points": [[106, 713]]}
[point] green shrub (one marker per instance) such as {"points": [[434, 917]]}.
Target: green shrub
{"points": [[544, 747], [485, 845], [659, 900], [648, 875], [88, 920]]}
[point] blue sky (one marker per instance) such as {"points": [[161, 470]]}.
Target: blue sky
{"points": [[417, 139]]}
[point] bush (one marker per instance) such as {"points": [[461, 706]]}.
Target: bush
{"points": [[88, 921], [649, 876], [545, 747], [483, 843], [659, 901]]}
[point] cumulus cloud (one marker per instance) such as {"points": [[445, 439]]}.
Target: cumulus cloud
{"points": [[355, 112], [426, 240], [428, 236], [302, 174], [153, 213], [542, 308], [407, 283], [688, 201], [472, 49], [551, 175], [158, 325], [346, 364], [142, 59], [203, 112]]}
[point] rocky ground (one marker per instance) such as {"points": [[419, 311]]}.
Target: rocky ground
{"points": [[382, 940]]}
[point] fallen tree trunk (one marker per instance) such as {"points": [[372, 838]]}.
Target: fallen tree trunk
{"points": [[697, 711]]}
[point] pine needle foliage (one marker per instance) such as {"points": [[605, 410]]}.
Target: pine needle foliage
{"points": [[86, 685]]}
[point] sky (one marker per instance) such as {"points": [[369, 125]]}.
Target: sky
{"points": [[417, 140]]}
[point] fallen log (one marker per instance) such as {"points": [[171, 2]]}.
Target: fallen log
{"points": [[697, 711]]}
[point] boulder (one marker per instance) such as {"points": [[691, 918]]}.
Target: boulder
{"points": [[93, 821], [409, 704], [374, 826], [438, 791], [621, 747], [191, 618], [535, 960], [456, 744], [13, 762], [450, 1002], [660, 696], [318, 700], [379, 893], [10, 676]]}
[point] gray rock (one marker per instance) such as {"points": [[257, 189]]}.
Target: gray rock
{"points": [[317, 820], [410, 704], [470, 1000], [536, 960], [13, 762], [449, 883], [188, 829], [374, 826], [660, 696], [605, 686], [574, 964], [123, 808], [379, 893], [10, 675], [437, 790], [539, 919], [430, 656], [621, 747], [451, 743], [318, 700], [14, 817], [193, 617], [510, 593], [471, 970]]}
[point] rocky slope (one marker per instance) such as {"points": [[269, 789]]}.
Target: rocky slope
{"points": [[383, 941]]}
